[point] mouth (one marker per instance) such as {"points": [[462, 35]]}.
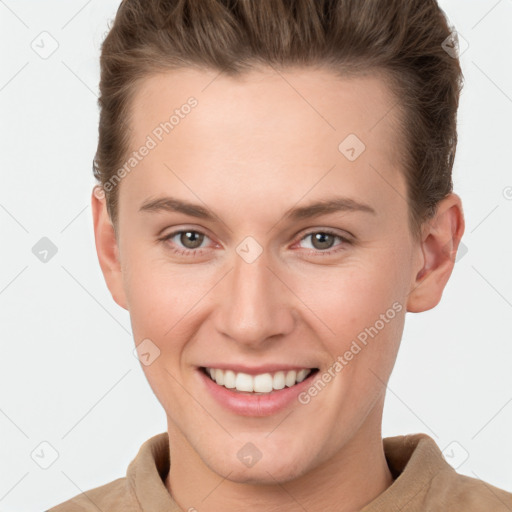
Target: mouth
{"points": [[260, 384]]}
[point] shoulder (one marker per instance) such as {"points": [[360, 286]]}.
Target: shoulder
{"points": [[141, 489], [469, 494], [114, 496], [426, 481]]}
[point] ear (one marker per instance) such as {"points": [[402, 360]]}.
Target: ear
{"points": [[107, 247], [439, 243]]}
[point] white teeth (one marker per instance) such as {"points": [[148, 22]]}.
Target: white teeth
{"points": [[243, 382], [229, 379], [219, 377], [301, 375], [291, 378], [278, 382], [262, 383]]}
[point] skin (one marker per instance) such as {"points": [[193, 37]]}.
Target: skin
{"points": [[253, 148]]}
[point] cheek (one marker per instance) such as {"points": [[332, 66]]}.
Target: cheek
{"points": [[360, 312], [158, 293], [349, 297], [167, 304]]}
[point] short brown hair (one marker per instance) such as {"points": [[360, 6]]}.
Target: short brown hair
{"points": [[403, 38]]}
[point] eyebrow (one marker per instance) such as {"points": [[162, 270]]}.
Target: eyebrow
{"points": [[316, 209]]}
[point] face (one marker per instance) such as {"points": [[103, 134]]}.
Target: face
{"points": [[225, 263]]}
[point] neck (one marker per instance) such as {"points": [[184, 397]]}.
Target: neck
{"points": [[347, 481]]}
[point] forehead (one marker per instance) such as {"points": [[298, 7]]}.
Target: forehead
{"points": [[265, 124], [326, 106]]}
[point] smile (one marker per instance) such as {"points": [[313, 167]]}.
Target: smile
{"points": [[263, 383]]}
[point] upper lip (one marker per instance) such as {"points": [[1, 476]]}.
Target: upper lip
{"points": [[256, 370]]}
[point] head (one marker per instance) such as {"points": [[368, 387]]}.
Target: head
{"points": [[221, 125]]}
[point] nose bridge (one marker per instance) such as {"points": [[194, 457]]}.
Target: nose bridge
{"points": [[254, 305]]}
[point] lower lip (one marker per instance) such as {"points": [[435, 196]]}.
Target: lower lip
{"points": [[246, 404]]}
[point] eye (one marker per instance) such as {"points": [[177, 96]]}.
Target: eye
{"points": [[188, 242], [189, 239], [322, 241]]}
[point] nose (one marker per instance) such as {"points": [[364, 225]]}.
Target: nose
{"points": [[254, 304]]}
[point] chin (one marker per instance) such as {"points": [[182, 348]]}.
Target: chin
{"points": [[273, 470]]}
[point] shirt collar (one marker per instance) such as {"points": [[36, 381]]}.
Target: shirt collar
{"points": [[413, 460]]}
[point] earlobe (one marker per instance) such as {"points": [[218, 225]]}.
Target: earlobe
{"points": [[439, 245], [107, 247]]}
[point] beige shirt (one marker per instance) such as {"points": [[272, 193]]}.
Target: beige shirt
{"points": [[423, 482]]}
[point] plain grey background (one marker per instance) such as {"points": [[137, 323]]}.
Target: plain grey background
{"points": [[73, 396]]}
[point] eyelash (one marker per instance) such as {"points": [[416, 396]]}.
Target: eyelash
{"points": [[197, 252]]}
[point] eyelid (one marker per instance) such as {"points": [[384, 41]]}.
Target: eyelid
{"points": [[179, 231], [331, 231]]}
